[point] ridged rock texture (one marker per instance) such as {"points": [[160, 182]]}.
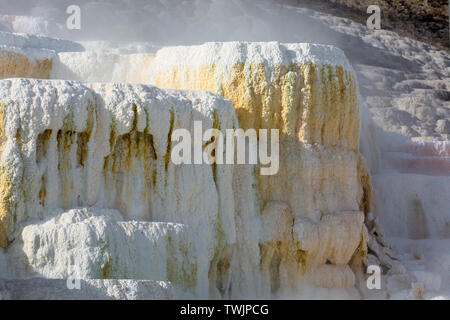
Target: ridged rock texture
{"points": [[68, 145], [87, 181], [404, 111], [309, 93]]}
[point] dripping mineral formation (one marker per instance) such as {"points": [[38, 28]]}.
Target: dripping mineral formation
{"points": [[308, 92], [269, 234], [88, 187]]}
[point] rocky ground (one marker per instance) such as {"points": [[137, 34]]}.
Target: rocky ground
{"points": [[425, 21]]}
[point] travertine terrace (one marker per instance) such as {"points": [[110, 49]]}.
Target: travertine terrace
{"points": [[92, 161], [88, 189]]}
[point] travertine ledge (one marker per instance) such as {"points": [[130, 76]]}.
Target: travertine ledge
{"points": [[86, 174]]}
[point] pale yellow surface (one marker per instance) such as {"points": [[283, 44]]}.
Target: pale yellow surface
{"points": [[322, 180], [17, 65]]}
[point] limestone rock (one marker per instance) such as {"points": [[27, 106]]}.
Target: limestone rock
{"points": [[335, 238], [108, 146], [89, 243], [30, 56], [331, 276], [309, 93], [74, 153], [306, 91], [74, 150], [18, 63], [404, 82], [277, 222]]}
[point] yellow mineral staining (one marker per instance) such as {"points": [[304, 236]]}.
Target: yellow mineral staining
{"points": [[365, 202], [361, 252], [132, 155], [42, 192], [223, 268], [82, 140], [129, 170], [311, 106], [315, 108], [329, 107], [3, 137], [66, 148], [5, 189], [307, 103], [169, 140], [5, 210], [42, 145], [291, 99], [154, 176], [71, 154], [282, 263], [308, 92], [107, 272], [17, 65], [216, 125], [218, 271], [179, 268]]}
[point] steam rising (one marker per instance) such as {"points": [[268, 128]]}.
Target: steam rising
{"points": [[170, 21], [152, 24]]}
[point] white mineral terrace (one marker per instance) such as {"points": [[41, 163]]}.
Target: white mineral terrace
{"points": [[88, 188]]}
